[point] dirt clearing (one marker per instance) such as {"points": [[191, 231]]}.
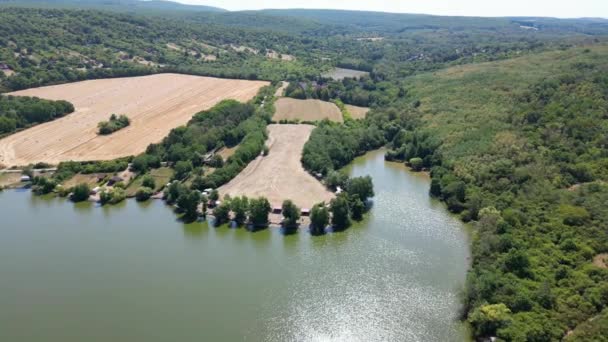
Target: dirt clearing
{"points": [[280, 175], [341, 73], [155, 104], [357, 112], [601, 260], [306, 110]]}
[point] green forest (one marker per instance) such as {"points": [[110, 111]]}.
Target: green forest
{"points": [[509, 116], [18, 112]]}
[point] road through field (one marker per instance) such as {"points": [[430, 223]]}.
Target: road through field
{"points": [[155, 104], [280, 175]]}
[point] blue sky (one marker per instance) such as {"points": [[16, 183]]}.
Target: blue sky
{"points": [[546, 8]]}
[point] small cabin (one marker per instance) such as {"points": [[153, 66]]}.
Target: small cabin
{"points": [[277, 210], [305, 212], [25, 178]]}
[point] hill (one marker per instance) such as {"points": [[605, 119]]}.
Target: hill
{"points": [[519, 148], [128, 6]]}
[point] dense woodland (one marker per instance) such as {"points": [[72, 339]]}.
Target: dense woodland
{"points": [[18, 112], [510, 116]]}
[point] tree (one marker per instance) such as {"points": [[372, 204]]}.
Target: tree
{"points": [[221, 214], [340, 213], [487, 319], [188, 202], [204, 202], [361, 187], [81, 192], [258, 212], [148, 182], [143, 194], [416, 164], [182, 168], [357, 208], [216, 161], [291, 215], [173, 191], [336, 179], [319, 218], [214, 196], [239, 206]]}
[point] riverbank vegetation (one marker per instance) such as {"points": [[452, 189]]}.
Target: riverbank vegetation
{"points": [[114, 124], [518, 147], [19, 112]]}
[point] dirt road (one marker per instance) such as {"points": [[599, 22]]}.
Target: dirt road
{"points": [[280, 175]]}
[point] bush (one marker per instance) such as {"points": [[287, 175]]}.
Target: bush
{"points": [[416, 164], [221, 214], [143, 194], [148, 182], [114, 196], [258, 212], [80, 192], [291, 215], [114, 124], [319, 218], [340, 211]]}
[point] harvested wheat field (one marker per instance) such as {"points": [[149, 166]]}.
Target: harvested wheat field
{"points": [[280, 175], [306, 110], [357, 112], [155, 104]]}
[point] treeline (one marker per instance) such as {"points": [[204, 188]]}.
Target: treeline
{"points": [[254, 212], [331, 146], [365, 92], [66, 170], [17, 112], [114, 124], [93, 44], [227, 124]]}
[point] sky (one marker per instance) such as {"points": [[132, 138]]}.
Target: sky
{"points": [[486, 8]]}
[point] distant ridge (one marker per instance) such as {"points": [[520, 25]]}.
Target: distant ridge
{"points": [[112, 5]]}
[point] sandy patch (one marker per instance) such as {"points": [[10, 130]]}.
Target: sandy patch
{"points": [[281, 89], [280, 175], [9, 178], [341, 73], [357, 112], [601, 260], [371, 39], [155, 104], [306, 110], [227, 152], [284, 57]]}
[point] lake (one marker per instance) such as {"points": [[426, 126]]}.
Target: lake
{"points": [[132, 272]]}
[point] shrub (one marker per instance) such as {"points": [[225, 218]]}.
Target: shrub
{"points": [[319, 218], [143, 194], [114, 124], [80, 192]]}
